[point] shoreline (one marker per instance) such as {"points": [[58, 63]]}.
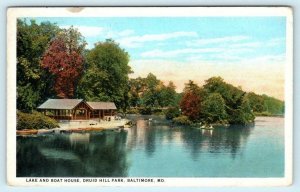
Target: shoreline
{"points": [[77, 127]]}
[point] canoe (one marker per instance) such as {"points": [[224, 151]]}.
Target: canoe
{"points": [[27, 132]]}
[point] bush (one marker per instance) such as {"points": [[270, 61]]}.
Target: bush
{"points": [[172, 112], [157, 111], [132, 111], [145, 111], [182, 120], [34, 120]]}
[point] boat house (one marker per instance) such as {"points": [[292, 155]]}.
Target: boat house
{"points": [[77, 109]]}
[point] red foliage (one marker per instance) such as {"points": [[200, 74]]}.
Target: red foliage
{"points": [[190, 105], [66, 65]]}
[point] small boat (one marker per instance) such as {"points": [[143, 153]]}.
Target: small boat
{"points": [[45, 131], [208, 127], [27, 132]]}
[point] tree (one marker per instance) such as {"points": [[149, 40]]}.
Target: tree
{"points": [[167, 95], [106, 77], [137, 88], [272, 105], [64, 59], [243, 114], [190, 105], [256, 102], [150, 96], [236, 103], [192, 87], [33, 83], [213, 108]]}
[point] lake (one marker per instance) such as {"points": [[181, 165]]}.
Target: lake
{"points": [[157, 149]]}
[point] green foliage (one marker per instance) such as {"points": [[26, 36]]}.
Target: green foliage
{"points": [[150, 97], [172, 112], [182, 120], [132, 111], [192, 87], [137, 87], [151, 92], [236, 104], [106, 76], [145, 110], [273, 106], [265, 105], [167, 95], [34, 120], [213, 108], [34, 84], [157, 111], [27, 97], [242, 115], [265, 114], [256, 102]]}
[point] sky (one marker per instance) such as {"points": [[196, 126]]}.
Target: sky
{"points": [[245, 51]]}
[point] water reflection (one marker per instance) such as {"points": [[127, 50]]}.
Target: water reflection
{"points": [[156, 148], [79, 139], [158, 131], [96, 154]]}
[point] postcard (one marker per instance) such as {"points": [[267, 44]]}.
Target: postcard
{"points": [[149, 96]]}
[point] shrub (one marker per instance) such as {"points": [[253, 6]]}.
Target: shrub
{"points": [[157, 111], [172, 112], [145, 111], [34, 120], [132, 111], [182, 120]]}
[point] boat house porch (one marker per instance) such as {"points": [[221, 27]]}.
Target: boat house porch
{"points": [[77, 109]]}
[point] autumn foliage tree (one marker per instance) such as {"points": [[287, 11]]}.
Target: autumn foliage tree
{"points": [[64, 60], [190, 105]]}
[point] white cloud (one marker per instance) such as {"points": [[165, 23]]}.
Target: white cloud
{"points": [[126, 32], [219, 40], [247, 44], [177, 52], [135, 41], [86, 31], [275, 42]]}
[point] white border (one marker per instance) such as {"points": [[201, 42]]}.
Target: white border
{"points": [[14, 13]]}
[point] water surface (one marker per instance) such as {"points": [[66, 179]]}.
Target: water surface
{"points": [[156, 148]]}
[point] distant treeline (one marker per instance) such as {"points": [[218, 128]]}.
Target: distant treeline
{"points": [[53, 63]]}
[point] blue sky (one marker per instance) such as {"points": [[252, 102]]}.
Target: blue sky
{"points": [[245, 51]]}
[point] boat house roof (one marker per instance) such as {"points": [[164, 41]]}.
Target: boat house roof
{"points": [[72, 103], [60, 104], [102, 105]]}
